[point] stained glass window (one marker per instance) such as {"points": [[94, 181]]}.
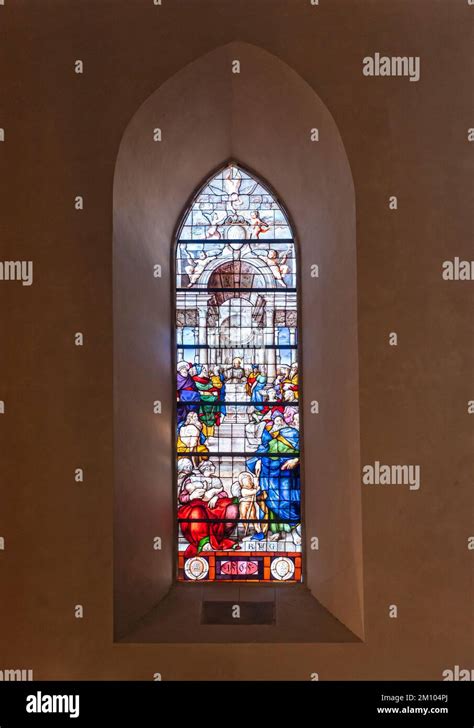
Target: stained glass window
{"points": [[237, 411]]}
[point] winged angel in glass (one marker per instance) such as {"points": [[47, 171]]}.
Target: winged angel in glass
{"points": [[238, 431]]}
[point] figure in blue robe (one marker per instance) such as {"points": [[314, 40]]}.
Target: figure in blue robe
{"points": [[187, 393], [222, 393], [258, 389], [282, 487]]}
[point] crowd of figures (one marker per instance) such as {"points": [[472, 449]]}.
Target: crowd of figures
{"points": [[262, 501]]}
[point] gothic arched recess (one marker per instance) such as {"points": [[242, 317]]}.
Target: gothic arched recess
{"points": [[264, 118]]}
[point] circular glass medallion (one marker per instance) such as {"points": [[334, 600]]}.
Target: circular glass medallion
{"points": [[282, 568], [196, 568]]}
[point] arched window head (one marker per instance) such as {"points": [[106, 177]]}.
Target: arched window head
{"points": [[237, 414]]}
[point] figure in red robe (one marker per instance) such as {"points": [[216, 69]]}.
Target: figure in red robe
{"points": [[203, 506]]}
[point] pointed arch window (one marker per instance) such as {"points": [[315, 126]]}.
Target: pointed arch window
{"points": [[238, 387]]}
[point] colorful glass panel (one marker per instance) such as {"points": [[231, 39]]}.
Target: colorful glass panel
{"points": [[237, 411]]}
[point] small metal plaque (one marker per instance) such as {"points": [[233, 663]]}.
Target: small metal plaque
{"points": [[238, 613]]}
